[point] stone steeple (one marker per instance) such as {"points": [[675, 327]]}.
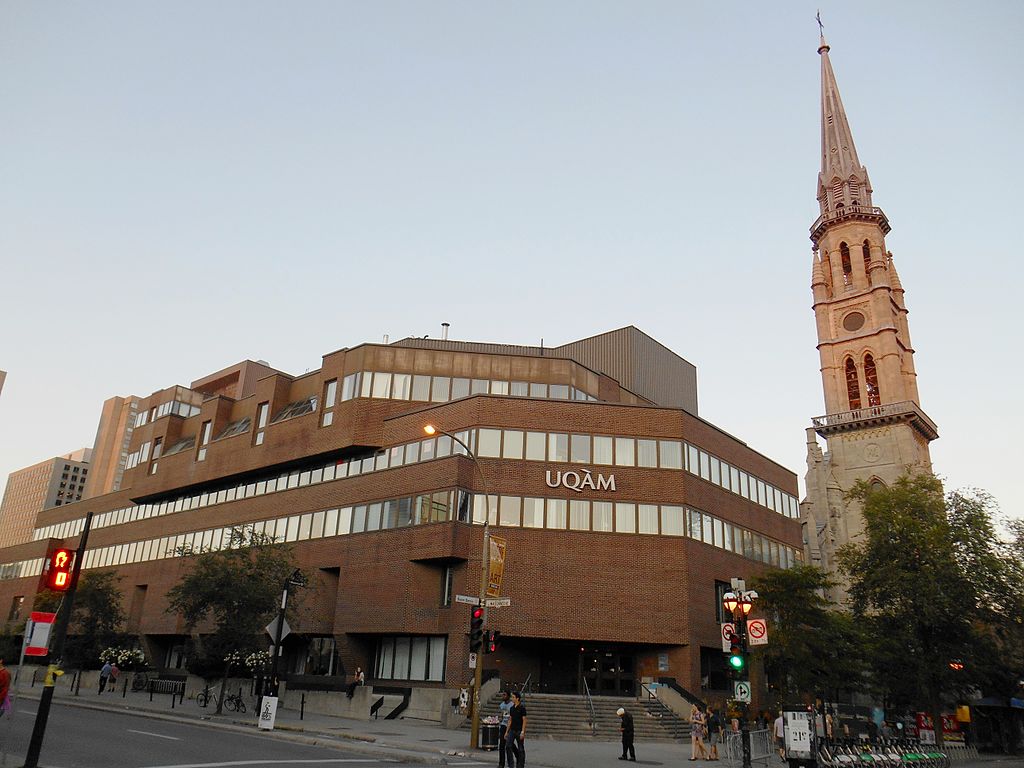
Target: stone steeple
{"points": [[874, 425], [843, 181]]}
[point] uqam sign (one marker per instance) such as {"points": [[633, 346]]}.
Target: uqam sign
{"points": [[580, 481]]}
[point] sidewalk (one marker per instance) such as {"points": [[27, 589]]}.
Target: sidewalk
{"points": [[406, 740]]}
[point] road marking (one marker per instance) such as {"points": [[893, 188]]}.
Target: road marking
{"points": [[158, 735], [329, 761]]}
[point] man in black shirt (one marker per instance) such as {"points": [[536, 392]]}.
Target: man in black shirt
{"points": [[627, 734], [517, 732]]}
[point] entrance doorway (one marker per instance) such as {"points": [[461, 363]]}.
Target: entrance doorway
{"points": [[607, 671]]}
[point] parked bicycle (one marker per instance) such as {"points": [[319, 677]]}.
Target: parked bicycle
{"points": [[233, 702]]}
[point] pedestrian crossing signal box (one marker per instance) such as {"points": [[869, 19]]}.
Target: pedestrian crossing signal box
{"points": [[58, 577]]}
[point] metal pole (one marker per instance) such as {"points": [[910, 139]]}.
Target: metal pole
{"points": [[745, 730], [274, 685], [43, 712]]}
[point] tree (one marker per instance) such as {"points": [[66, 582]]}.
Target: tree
{"points": [[96, 621], [233, 592], [815, 648], [936, 587]]}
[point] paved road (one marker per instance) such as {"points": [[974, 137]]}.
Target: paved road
{"points": [[86, 738]]}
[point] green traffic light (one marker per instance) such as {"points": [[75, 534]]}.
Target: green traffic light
{"points": [[736, 661]]}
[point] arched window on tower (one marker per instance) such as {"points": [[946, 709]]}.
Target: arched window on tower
{"points": [[871, 381], [866, 248], [852, 385], [844, 253], [837, 192], [854, 191]]}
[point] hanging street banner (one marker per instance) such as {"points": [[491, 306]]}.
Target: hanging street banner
{"points": [[757, 632], [496, 570]]}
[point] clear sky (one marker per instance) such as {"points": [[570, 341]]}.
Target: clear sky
{"points": [[185, 185]]}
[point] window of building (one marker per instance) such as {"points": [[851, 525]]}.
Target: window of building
{"points": [[204, 440], [349, 386], [579, 515], [580, 449], [625, 452], [533, 513], [647, 518], [330, 394], [871, 381], [489, 443], [381, 386], [558, 447], [440, 389], [16, 604], [262, 412], [852, 384], [556, 514], [844, 254], [512, 447], [401, 386], [460, 388], [603, 450], [647, 453]]}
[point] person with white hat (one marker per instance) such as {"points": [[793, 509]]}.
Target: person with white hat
{"points": [[626, 726]]}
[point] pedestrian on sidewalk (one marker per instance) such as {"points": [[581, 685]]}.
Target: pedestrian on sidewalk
{"points": [[5, 686], [517, 732], [780, 736], [114, 672], [697, 725], [626, 726], [503, 713], [104, 676], [715, 729], [357, 679]]}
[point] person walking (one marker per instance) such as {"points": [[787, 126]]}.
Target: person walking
{"points": [[114, 672], [714, 725], [697, 724], [517, 732], [5, 687], [780, 736], [503, 713], [104, 676], [626, 727]]}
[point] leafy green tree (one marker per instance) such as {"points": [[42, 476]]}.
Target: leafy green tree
{"points": [[936, 587], [97, 620], [815, 648], [229, 596]]}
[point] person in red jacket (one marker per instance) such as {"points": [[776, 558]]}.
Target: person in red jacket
{"points": [[5, 684]]}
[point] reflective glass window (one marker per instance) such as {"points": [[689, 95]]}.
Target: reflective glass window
{"points": [[479, 387], [671, 454], [499, 387], [440, 388], [421, 388], [625, 452], [401, 386], [603, 449], [488, 443], [602, 516], [538, 390], [518, 389], [672, 522], [533, 513], [625, 517], [366, 385], [536, 446], [716, 471], [559, 391], [558, 447], [512, 448], [648, 518], [579, 515], [373, 517], [444, 446], [412, 453], [460, 388], [556, 514], [510, 510], [647, 453], [580, 447]]}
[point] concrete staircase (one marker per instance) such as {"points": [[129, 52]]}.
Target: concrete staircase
{"points": [[568, 718]]}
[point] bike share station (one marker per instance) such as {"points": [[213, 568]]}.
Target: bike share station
{"points": [[800, 737]]}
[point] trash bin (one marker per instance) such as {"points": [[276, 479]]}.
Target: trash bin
{"points": [[488, 736]]}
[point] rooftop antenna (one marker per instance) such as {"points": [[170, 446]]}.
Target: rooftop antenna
{"points": [[444, 331]]}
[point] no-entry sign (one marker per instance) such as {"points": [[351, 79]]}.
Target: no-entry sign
{"points": [[727, 632]]}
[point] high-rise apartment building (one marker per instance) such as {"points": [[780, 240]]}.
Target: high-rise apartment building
{"points": [[50, 483]]}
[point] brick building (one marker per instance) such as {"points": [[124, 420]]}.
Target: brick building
{"points": [[625, 513], [50, 483]]}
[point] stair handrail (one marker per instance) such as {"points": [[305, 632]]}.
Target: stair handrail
{"points": [[525, 689], [650, 694], [670, 682], [590, 704]]}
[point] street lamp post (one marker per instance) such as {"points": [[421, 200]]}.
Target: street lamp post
{"points": [[738, 603], [485, 562]]}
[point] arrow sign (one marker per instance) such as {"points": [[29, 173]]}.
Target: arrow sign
{"points": [[741, 691], [728, 629], [757, 632]]}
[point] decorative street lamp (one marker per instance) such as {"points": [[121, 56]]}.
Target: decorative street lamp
{"points": [[737, 603], [485, 562]]}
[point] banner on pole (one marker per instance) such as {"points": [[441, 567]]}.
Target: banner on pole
{"points": [[496, 569], [37, 642]]}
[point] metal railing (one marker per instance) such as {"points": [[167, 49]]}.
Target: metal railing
{"points": [[525, 689], [852, 211], [590, 706], [761, 746]]}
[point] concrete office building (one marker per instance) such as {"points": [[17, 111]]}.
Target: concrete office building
{"points": [[50, 483]]}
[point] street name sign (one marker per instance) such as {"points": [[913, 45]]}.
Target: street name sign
{"points": [[467, 599], [498, 602]]}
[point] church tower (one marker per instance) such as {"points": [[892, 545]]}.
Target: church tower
{"points": [[873, 423]]}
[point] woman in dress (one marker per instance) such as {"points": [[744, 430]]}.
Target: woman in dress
{"points": [[698, 724]]}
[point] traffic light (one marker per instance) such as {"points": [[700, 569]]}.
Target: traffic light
{"points": [[59, 574], [492, 640], [737, 659], [476, 628]]}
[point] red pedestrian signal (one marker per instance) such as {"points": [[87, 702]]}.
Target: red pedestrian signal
{"points": [[59, 575], [492, 640]]}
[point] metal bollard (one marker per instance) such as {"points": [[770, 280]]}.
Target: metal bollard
{"points": [[302, 707], [151, 689], [124, 689], [181, 697], [173, 697]]}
